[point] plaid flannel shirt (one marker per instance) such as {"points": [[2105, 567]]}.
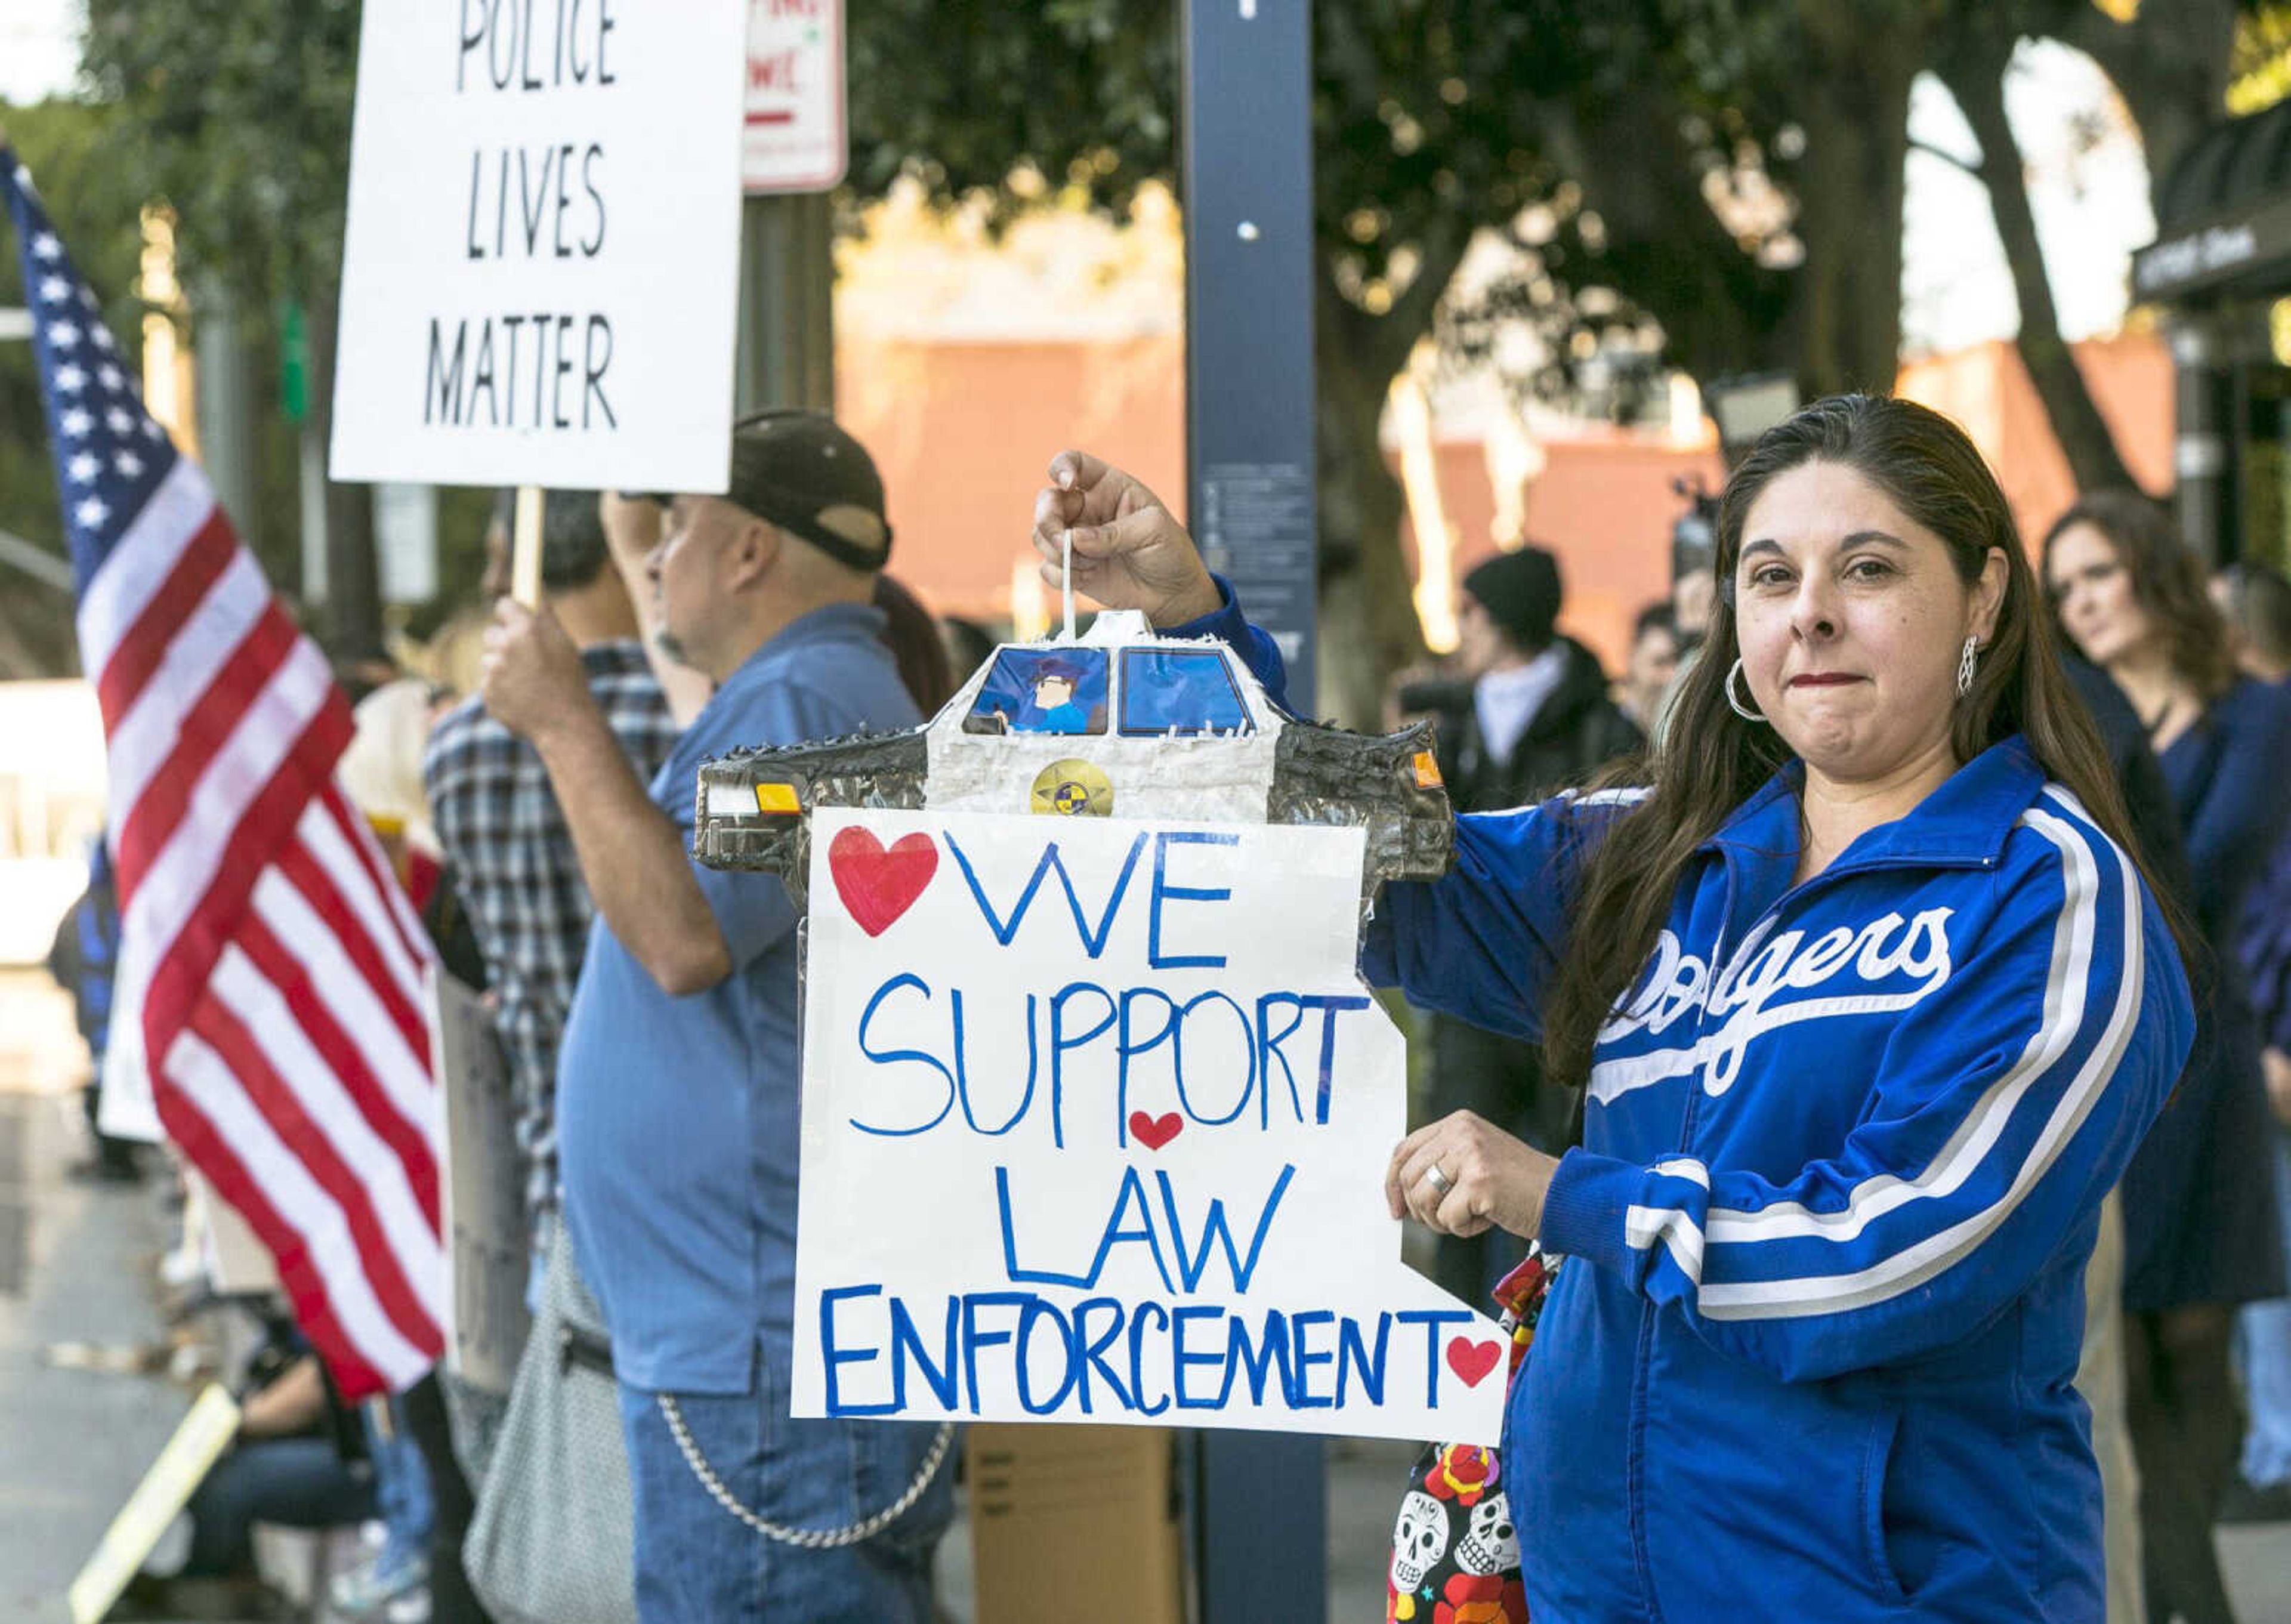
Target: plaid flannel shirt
{"points": [[512, 856]]}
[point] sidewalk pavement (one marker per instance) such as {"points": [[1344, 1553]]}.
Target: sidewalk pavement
{"points": [[73, 1442]]}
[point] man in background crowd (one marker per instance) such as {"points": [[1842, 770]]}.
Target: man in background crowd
{"points": [[1533, 718], [678, 1079], [1654, 662], [505, 837], [83, 958]]}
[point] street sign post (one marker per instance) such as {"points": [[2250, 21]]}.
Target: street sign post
{"points": [[794, 133]]}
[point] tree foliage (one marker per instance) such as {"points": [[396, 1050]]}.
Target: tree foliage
{"points": [[239, 117]]}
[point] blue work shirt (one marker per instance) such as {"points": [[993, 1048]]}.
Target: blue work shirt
{"points": [[677, 1116]]}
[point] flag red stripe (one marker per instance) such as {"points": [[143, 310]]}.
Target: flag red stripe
{"points": [[386, 884], [317, 1022], [208, 728], [229, 1037], [218, 1159], [178, 980], [139, 653], [302, 870]]}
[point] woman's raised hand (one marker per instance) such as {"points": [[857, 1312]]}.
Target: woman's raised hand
{"points": [[1129, 551]]}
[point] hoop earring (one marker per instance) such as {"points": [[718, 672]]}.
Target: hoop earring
{"points": [[1740, 710], [1964, 667]]}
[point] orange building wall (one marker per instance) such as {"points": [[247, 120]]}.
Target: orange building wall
{"points": [[963, 434], [1987, 388]]}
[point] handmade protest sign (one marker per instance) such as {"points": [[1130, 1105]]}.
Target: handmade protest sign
{"points": [[1096, 1115], [540, 260]]}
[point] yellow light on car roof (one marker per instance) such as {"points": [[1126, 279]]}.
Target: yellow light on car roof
{"points": [[777, 797]]}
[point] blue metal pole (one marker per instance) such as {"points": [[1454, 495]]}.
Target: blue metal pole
{"points": [[1259, 1529]]}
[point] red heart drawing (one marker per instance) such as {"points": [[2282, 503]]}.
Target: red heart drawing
{"points": [[1154, 1131], [1472, 1360], [877, 886]]}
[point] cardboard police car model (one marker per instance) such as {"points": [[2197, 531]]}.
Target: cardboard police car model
{"points": [[1118, 723]]}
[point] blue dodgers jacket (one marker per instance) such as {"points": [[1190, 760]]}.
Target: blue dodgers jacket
{"points": [[1843, 1163]]}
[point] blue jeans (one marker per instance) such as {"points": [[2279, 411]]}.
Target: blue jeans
{"points": [[299, 1482], [2264, 1330], [401, 1486], [696, 1564]]}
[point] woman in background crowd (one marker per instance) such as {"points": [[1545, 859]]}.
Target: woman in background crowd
{"points": [[2201, 1230]]}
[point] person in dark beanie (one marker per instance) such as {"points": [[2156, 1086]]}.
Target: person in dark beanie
{"points": [[1535, 718]]}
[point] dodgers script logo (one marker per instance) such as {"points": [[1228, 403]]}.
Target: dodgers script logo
{"points": [[1769, 983]]}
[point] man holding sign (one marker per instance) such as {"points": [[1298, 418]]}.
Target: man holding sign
{"points": [[677, 1081]]}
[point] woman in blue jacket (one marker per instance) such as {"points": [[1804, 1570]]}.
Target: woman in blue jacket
{"points": [[1873, 1010], [2199, 1220]]}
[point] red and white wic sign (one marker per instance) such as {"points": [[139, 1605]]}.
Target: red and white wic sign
{"points": [[796, 138]]}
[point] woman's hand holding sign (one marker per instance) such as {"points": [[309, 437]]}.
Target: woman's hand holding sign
{"points": [[1462, 1176], [1129, 551]]}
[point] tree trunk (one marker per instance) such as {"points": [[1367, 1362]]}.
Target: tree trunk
{"points": [[353, 621], [1974, 73], [1367, 624], [1846, 320]]}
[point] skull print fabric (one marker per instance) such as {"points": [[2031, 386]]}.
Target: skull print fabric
{"points": [[1455, 1551]]}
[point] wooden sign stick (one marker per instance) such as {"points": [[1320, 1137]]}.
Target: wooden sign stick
{"points": [[524, 549]]}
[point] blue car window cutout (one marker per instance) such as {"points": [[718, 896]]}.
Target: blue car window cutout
{"points": [[1186, 691], [1042, 690]]}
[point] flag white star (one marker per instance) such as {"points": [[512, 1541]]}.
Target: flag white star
{"points": [[87, 297], [121, 421], [92, 512], [111, 377], [54, 290], [71, 379], [46, 246], [63, 334], [24, 177], [152, 430], [101, 335], [85, 467], [76, 423], [128, 463]]}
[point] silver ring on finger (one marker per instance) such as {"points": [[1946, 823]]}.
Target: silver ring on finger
{"points": [[1439, 1181]]}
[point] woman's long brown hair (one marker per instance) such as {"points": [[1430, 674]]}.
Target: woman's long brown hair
{"points": [[1715, 760]]}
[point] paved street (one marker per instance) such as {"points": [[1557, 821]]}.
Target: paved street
{"points": [[72, 1442]]}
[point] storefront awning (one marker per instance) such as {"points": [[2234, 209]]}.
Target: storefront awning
{"points": [[2224, 215]]}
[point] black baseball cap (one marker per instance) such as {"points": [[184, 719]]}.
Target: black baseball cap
{"points": [[797, 470]]}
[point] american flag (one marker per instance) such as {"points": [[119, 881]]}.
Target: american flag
{"points": [[277, 967]]}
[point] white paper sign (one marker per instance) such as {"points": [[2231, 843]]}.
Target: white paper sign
{"points": [[796, 140], [539, 265], [1096, 1116]]}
